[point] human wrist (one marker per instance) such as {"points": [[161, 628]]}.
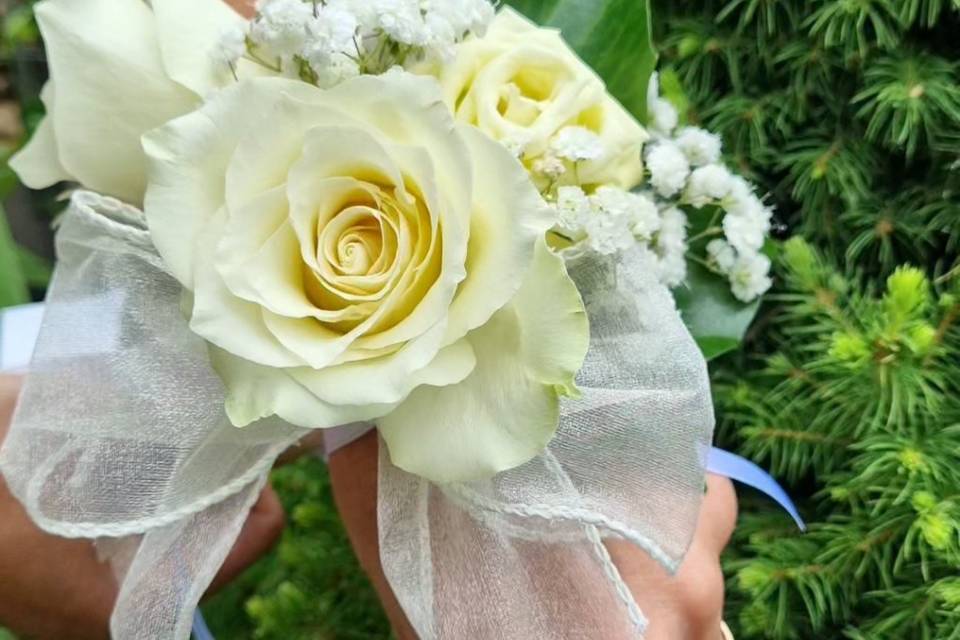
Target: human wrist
{"points": [[9, 392]]}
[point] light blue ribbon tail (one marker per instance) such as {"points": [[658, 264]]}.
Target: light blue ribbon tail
{"points": [[742, 470], [200, 629]]}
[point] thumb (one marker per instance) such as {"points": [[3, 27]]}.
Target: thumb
{"points": [[245, 8]]}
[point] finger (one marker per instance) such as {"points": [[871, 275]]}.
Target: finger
{"points": [[9, 391], [718, 515], [700, 593], [49, 582], [9, 383], [689, 604], [259, 534], [243, 7], [353, 471]]}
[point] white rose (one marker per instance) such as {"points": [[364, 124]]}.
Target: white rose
{"points": [[354, 254], [118, 69], [522, 84], [349, 254]]}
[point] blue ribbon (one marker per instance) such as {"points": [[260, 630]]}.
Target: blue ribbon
{"points": [[200, 629], [742, 470]]}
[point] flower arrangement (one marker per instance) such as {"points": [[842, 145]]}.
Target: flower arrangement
{"points": [[433, 216], [326, 44]]}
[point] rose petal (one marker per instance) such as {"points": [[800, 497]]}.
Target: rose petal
{"points": [[255, 392], [390, 380], [510, 419], [245, 233], [410, 111], [38, 163], [509, 217], [110, 88], [266, 154], [274, 279], [188, 44], [188, 158], [507, 411], [227, 321]]}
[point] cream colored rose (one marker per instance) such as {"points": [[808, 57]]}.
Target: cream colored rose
{"points": [[355, 254], [118, 69], [350, 254], [521, 84]]}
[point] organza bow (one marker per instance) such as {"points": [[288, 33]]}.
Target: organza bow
{"points": [[121, 434]]}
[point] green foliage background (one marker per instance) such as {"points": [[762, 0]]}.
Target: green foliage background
{"points": [[311, 586], [21, 270], [848, 113]]}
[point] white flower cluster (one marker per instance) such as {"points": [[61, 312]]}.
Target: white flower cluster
{"points": [[327, 41], [661, 114], [745, 226], [576, 143], [684, 165], [569, 146], [611, 220], [748, 272], [685, 170]]}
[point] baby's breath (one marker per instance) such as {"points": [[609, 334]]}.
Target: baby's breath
{"points": [[326, 42]]}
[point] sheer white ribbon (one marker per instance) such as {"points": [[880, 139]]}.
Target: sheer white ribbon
{"points": [[120, 434], [521, 555]]}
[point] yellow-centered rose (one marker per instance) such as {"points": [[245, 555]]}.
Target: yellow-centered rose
{"points": [[349, 254], [521, 84], [354, 254]]}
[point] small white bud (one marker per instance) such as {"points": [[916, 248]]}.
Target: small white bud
{"points": [[231, 46], [708, 184], [281, 26], [700, 146], [577, 143], [722, 254], [747, 232], [668, 167], [573, 209], [749, 276]]}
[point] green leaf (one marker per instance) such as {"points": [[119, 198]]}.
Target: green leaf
{"points": [[19, 27], [716, 319], [612, 36], [8, 179], [671, 88], [36, 269], [13, 284]]}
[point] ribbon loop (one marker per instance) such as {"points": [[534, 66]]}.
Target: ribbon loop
{"points": [[120, 431], [521, 555]]}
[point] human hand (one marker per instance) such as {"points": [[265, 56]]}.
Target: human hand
{"points": [[687, 606], [54, 588], [243, 7]]}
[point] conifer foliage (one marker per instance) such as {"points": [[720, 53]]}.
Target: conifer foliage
{"points": [[848, 387], [847, 112]]}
